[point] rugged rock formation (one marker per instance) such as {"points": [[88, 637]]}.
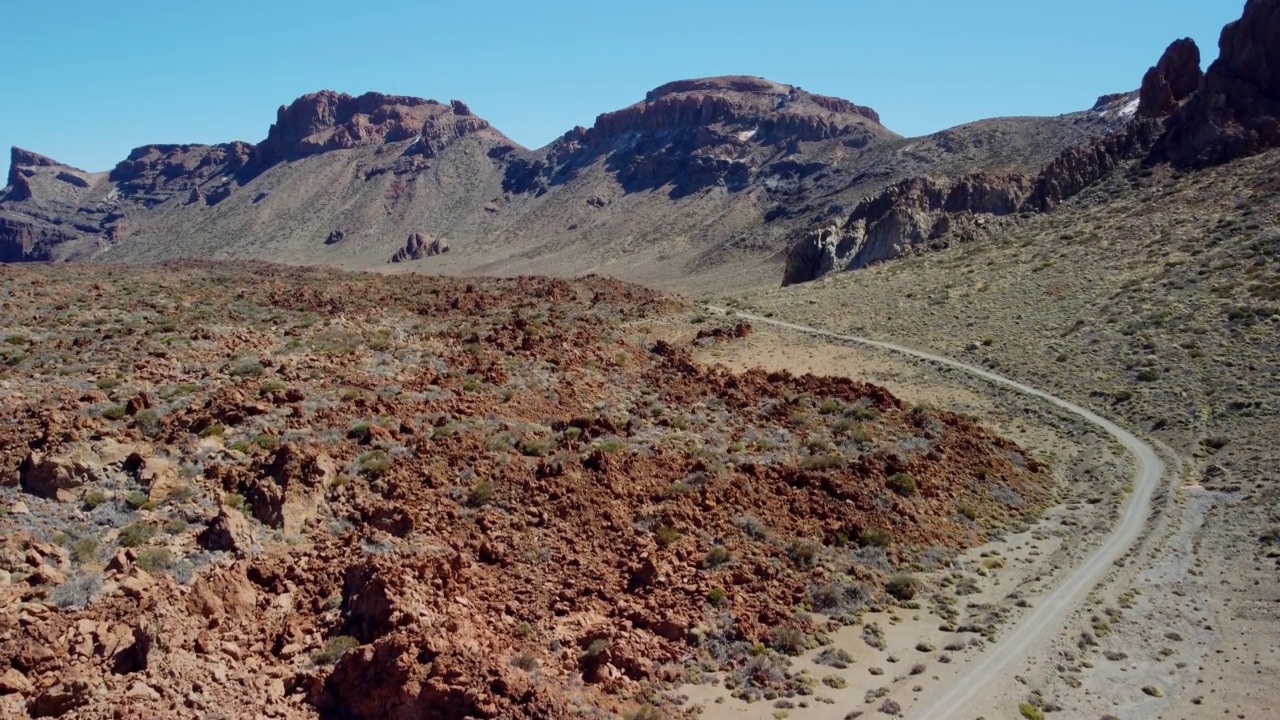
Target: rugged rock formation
{"points": [[323, 121], [420, 246], [1236, 110], [695, 134], [154, 173], [1171, 80], [23, 239], [921, 212]]}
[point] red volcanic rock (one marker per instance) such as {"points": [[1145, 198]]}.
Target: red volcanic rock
{"points": [[1173, 79], [1236, 110], [327, 120]]}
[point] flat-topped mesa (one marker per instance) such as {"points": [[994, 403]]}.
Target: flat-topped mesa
{"points": [[775, 112], [327, 120]]}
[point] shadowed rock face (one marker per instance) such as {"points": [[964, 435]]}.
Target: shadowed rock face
{"points": [[699, 133], [922, 212], [1235, 111], [1170, 81]]}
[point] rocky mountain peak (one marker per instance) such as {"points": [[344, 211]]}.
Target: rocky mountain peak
{"points": [[1171, 80], [1235, 110], [328, 120]]}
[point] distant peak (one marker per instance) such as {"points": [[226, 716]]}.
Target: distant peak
{"points": [[745, 86], [26, 158]]}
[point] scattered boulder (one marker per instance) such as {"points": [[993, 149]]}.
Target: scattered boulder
{"points": [[290, 487], [60, 477], [231, 531], [335, 237]]}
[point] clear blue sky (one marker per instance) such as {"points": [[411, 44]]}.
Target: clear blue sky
{"points": [[87, 80]]}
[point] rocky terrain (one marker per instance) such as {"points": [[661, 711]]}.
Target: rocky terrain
{"points": [[234, 491]]}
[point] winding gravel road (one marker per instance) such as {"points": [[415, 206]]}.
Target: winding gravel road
{"points": [[1051, 615]]}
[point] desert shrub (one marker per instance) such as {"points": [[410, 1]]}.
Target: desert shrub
{"points": [[16, 339], [837, 658], [481, 493], [106, 383], [359, 432], [147, 421], [717, 597], [176, 526], [266, 441], [525, 661], [374, 464], [902, 484], [665, 535], [214, 430], [838, 596], [136, 534], [1217, 442], [136, 499], [1030, 712], [77, 592], [333, 650], [85, 549], [270, 386], [1148, 375], [835, 681], [534, 448], [874, 537], [752, 526], [620, 359], [902, 587], [803, 552], [155, 559], [94, 498], [115, 412], [788, 640], [718, 555], [917, 669], [968, 510], [247, 366], [825, 461]]}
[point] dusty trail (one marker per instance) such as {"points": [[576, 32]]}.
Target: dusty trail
{"points": [[1050, 616]]}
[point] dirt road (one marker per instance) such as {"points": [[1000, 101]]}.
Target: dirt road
{"points": [[1050, 616]]}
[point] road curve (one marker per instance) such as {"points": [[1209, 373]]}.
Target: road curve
{"points": [[1050, 616]]}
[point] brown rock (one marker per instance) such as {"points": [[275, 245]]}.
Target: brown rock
{"points": [[12, 681], [62, 698], [1235, 112], [1171, 80], [229, 530], [59, 477], [418, 246], [290, 488]]}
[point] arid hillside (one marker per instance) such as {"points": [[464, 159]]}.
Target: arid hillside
{"points": [[231, 490]]}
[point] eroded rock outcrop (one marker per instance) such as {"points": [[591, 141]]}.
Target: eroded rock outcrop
{"points": [[925, 211], [327, 120], [419, 246], [696, 134], [1235, 112], [1171, 80]]}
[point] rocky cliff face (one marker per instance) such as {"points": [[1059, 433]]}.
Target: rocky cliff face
{"points": [[324, 121], [694, 134], [1235, 111], [929, 212], [1171, 80], [1185, 117], [153, 174]]}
